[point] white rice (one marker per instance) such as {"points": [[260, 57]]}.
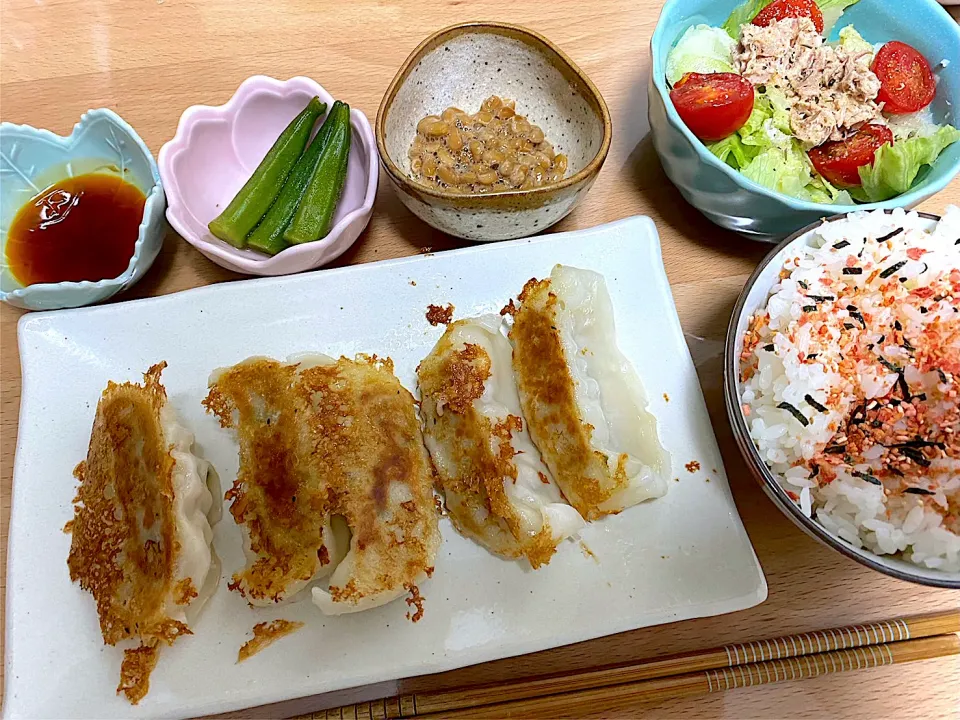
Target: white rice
{"points": [[867, 490]]}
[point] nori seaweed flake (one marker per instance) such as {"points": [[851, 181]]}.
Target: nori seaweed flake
{"points": [[842, 244], [802, 284], [866, 476], [943, 377], [811, 401], [855, 314], [904, 388], [897, 325], [809, 308], [820, 298], [889, 235], [923, 310], [769, 348], [852, 271], [816, 471], [812, 356], [918, 457], [801, 418], [887, 364], [835, 449], [918, 491], [908, 346], [892, 269], [849, 326]]}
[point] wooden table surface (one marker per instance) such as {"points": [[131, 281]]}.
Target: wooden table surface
{"points": [[151, 59]]}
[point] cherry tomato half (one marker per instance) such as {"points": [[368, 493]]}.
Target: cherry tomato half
{"points": [[906, 80], [839, 162], [782, 9], [713, 105]]}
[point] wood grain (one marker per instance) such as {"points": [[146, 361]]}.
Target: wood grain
{"points": [[150, 59]]}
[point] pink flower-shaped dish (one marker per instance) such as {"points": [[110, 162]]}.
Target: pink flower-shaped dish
{"points": [[215, 151]]}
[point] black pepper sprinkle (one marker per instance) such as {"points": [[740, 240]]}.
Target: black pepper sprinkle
{"points": [[840, 245], [892, 269], [923, 310], [918, 491], [814, 404], [889, 235], [866, 476], [801, 418], [852, 271]]}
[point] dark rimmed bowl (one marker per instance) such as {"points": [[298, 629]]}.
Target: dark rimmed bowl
{"points": [[753, 296], [461, 66]]}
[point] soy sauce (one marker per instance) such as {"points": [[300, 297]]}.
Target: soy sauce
{"points": [[81, 228]]}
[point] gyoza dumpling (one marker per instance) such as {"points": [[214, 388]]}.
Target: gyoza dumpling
{"points": [[141, 537], [498, 491], [280, 497], [365, 433], [584, 403]]}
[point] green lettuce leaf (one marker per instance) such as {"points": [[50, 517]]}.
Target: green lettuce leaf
{"points": [[701, 49], [895, 167], [745, 13], [853, 42], [832, 10], [765, 151]]}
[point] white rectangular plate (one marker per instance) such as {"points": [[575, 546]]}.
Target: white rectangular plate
{"points": [[683, 556]]}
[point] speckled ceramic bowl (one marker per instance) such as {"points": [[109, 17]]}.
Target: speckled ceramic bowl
{"points": [[461, 66]]}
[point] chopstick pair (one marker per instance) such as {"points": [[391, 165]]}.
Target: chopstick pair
{"points": [[792, 657]]}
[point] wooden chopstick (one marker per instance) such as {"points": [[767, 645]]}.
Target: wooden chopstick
{"points": [[689, 673], [612, 698]]}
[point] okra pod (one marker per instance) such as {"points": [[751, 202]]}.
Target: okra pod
{"points": [[319, 202], [268, 235], [259, 192]]}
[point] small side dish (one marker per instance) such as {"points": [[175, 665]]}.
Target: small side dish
{"points": [[140, 534], [82, 213], [493, 150], [827, 122], [292, 195], [849, 378]]}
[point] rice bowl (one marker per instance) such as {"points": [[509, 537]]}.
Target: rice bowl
{"points": [[842, 376]]}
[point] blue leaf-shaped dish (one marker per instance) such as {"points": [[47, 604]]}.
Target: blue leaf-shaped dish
{"points": [[31, 159]]}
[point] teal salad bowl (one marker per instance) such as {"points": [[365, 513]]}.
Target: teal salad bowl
{"points": [[732, 201], [32, 159]]}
